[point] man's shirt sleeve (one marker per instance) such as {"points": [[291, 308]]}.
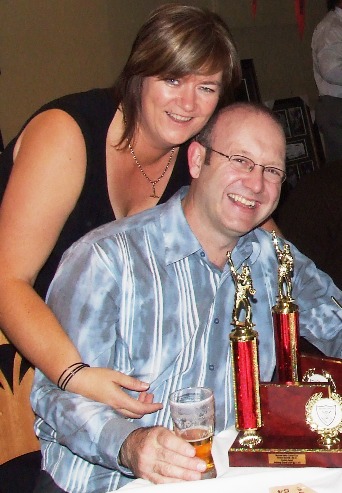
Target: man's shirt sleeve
{"points": [[319, 317], [83, 296]]}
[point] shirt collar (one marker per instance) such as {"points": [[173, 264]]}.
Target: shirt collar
{"points": [[247, 248], [180, 242]]}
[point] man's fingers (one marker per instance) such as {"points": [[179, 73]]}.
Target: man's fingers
{"points": [[158, 455], [173, 467], [173, 475]]}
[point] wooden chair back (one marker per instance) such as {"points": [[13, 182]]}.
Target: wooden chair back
{"points": [[16, 416]]}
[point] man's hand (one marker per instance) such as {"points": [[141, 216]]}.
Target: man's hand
{"points": [[158, 455]]}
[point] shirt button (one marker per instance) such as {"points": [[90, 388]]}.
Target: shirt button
{"points": [[216, 320], [211, 367], [202, 254]]}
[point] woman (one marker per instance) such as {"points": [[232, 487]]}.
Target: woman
{"points": [[90, 158]]}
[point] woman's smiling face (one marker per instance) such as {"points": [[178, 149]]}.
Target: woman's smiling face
{"points": [[174, 110]]}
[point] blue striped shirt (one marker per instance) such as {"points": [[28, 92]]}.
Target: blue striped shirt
{"points": [[141, 296]]}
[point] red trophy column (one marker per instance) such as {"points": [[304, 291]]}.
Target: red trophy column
{"points": [[244, 350]]}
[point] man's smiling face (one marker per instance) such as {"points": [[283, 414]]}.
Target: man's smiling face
{"points": [[233, 202]]}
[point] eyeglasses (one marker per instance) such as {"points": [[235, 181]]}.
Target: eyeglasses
{"points": [[246, 165]]}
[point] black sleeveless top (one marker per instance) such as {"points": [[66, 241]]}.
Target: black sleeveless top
{"points": [[94, 111]]}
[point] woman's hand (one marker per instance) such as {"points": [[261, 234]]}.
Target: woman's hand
{"points": [[107, 386]]}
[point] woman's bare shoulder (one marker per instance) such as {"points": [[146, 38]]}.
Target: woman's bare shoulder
{"points": [[49, 129]]}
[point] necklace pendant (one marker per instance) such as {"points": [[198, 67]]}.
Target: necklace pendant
{"points": [[152, 182], [154, 195]]}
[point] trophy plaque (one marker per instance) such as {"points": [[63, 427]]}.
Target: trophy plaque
{"points": [[299, 414]]}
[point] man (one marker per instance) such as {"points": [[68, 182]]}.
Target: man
{"points": [[153, 296], [327, 68]]}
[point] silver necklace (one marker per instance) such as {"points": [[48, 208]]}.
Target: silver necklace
{"points": [[152, 182]]}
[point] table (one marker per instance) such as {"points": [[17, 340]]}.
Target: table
{"points": [[247, 479]]}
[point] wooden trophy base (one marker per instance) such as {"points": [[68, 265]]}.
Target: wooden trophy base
{"points": [[285, 452], [287, 440]]}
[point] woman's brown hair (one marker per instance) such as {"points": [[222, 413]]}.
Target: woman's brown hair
{"points": [[175, 41]]}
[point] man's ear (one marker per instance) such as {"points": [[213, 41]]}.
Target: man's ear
{"points": [[196, 158]]}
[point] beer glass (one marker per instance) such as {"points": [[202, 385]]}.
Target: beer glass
{"points": [[193, 414]]}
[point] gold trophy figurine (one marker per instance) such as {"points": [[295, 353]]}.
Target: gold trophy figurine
{"points": [[243, 289], [286, 318], [285, 269], [244, 350]]}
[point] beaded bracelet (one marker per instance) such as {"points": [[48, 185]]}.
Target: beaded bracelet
{"points": [[72, 370]]}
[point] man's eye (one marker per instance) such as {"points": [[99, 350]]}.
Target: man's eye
{"points": [[273, 171], [240, 160]]}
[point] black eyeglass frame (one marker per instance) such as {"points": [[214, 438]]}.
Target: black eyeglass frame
{"points": [[249, 159]]}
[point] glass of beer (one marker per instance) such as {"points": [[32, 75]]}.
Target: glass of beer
{"points": [[193, 416]]}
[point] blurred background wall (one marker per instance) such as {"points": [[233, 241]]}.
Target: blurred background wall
{"points": [[49, 48]]}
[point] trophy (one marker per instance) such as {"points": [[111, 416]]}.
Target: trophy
{"points": [[244, 350], [301, 415], [286, 318]]}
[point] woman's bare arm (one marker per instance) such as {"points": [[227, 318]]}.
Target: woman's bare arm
{"points": [[45, 184]]}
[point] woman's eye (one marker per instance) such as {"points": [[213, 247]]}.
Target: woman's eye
{"points": [[172, 82], [207, 89]]}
